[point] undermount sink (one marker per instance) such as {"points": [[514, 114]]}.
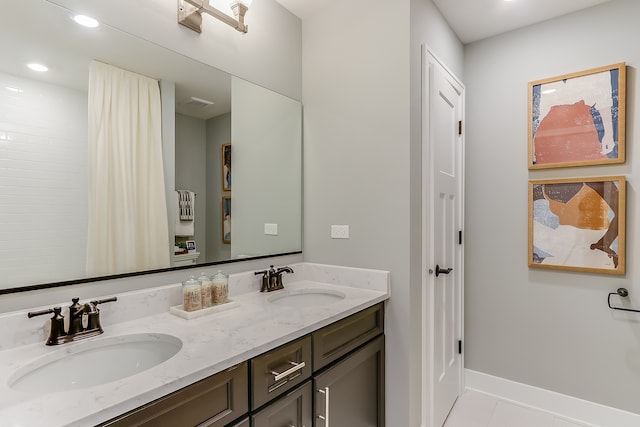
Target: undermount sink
{"points": [[95, 362], [306, 297]]}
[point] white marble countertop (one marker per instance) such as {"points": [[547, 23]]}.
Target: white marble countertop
{"points": [[211, 344]]}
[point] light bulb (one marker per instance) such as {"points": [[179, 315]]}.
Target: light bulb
{"points": [[38, 67], [86, 21]]}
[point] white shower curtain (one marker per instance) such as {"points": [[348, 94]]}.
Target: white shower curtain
{"points": [[128, 228]]}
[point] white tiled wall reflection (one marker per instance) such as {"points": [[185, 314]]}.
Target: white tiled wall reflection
{"points": [[43, 181]]}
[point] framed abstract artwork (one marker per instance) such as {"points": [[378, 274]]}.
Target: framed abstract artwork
{"points": [[578, 119], [226, 219], [226, 167], [578, 224]]}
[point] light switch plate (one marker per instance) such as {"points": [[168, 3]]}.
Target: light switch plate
{"points": [[339, 231], [271, 229]]}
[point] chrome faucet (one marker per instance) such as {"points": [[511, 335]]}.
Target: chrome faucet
{"points": [[77, 315], [272, 278]]}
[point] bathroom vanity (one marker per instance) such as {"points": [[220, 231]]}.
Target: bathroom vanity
{"points": [[304, 355], [341, 379]]}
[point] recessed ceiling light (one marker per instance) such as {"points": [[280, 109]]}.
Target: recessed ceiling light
{"points": [[86, 21], [13, 89], [37, 67]]}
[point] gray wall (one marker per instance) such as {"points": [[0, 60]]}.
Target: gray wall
{"points": [[218, 133], [360, 135], [550, 329], [191, 170], [266, 129]]}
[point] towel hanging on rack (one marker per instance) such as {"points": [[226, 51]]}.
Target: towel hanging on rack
{"points": [[185, 205], [184, 228]]}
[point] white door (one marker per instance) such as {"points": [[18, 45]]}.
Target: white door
{"points": [[443, 167]]}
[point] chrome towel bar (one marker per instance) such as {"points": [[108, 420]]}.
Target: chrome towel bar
{"points": [[623, 292]]}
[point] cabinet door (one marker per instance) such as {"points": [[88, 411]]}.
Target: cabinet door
{"points": [[212, 402], [293, 410], [351, 393]]}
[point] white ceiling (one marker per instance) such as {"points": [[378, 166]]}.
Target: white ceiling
{"points": [[70, 52], [474, 20]]}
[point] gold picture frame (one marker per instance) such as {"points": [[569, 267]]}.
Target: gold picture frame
{"points": [[578, 119], [578, 224], [226, 167]]}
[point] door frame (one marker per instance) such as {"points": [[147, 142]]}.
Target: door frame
{"points": [[427, 263]]}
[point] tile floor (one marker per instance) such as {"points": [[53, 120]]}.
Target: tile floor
{"points": [[475, 409]]}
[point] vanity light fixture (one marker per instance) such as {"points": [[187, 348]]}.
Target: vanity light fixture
{"points": [[190, 14]]}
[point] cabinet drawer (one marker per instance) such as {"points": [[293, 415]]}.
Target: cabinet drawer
{"points": [[280, 370], [294, 409], [212, 402], [338, 339]]}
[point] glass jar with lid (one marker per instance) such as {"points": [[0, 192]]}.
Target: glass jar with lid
{"points": [[206, 290], [220, 287], [192, 294]]}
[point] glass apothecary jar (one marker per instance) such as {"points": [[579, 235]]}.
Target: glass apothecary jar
{"points": [[192, 294], [220, 287]]}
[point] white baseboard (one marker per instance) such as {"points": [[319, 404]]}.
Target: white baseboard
{"points": [[570, 408]]}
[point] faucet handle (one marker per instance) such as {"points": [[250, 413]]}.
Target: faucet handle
{"points": [[264, 286], [41, 312], [57, 324], [102, 301]]}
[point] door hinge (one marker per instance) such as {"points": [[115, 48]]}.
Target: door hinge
{"points": [[460, 237], [460, 127], [459, 346]]}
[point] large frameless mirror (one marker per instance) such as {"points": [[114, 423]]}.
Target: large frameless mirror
{"points": [[231, 153]]}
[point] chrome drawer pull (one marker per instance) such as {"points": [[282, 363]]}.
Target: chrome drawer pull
{"points": [[296, 367], [325, 418]]}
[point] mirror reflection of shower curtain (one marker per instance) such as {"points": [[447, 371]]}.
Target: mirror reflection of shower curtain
{"points": [[127, 201]]}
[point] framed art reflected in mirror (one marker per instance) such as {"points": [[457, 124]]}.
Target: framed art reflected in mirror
{"points": [[226, 167], [226, 219]]}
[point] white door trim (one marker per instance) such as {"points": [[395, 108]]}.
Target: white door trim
{"points": [[427, 310]]}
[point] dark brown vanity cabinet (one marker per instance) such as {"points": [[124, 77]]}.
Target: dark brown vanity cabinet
{"points": [[212, 402], [347, 386], [333, 377], [349, 371]]}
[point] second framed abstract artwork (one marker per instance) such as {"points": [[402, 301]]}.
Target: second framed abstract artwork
{"points": [[578, 119], [578, 224]]}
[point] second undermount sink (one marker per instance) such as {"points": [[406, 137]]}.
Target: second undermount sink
{"points": [[306, 297], [95, 362]]}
